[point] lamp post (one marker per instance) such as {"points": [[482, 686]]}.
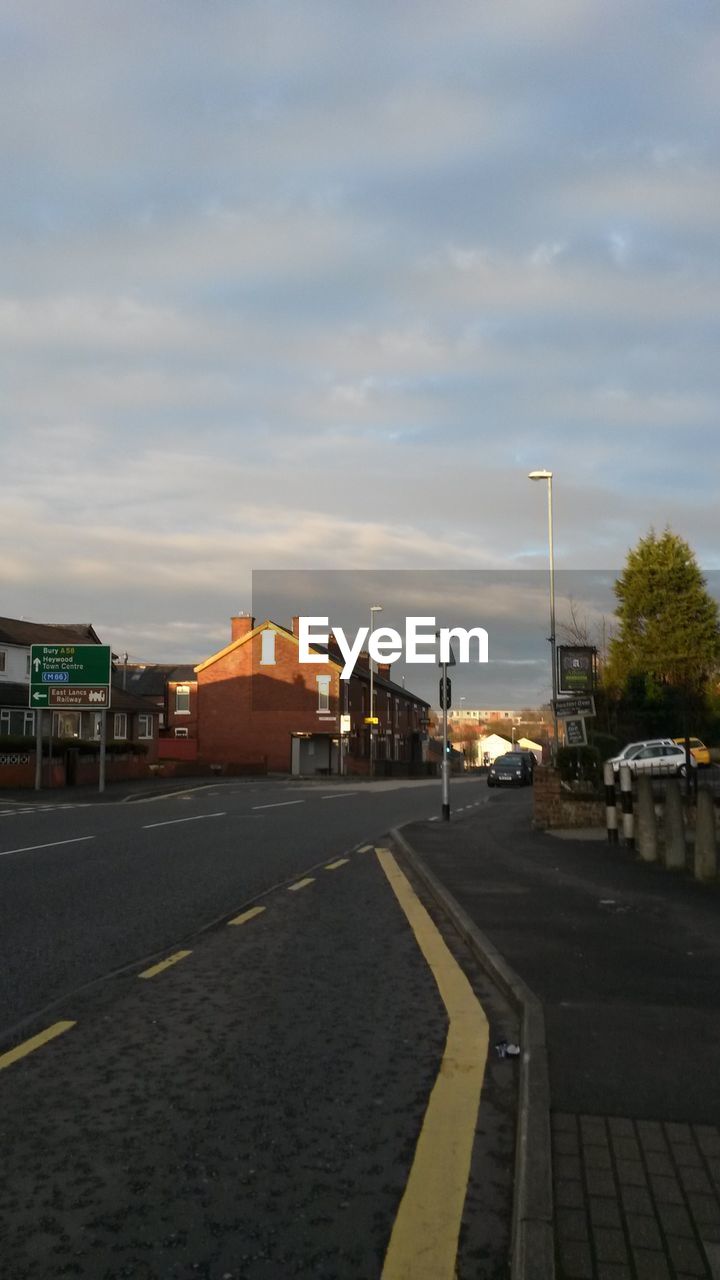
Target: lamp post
{"points": [[374, 608], [548, 475]]}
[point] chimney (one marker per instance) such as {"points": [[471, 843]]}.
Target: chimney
{"points": [[241, 624], [296, 625], [383, 669]]}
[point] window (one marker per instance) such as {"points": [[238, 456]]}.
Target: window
{"points": [[4, 721], [181, 733], [27, 667], [145, 726], [3, 656], [323, 684], [93, 725], [267, 652], [66, 724], [120, 725], [182, 700]]}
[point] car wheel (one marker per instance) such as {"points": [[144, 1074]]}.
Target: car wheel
{"points": [[490, 784], [682, 771]]}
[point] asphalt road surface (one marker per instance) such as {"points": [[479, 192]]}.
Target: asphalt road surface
{"points": [[245, 1050]]}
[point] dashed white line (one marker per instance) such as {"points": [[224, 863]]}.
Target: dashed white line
{"points": [[28, 848], [198, 817], [280, 804], [340, 795]]}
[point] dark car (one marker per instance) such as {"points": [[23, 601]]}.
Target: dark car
{"points": [[513, 769]]}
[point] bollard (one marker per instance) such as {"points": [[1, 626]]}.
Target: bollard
{"points": [[647, 843], [705, 840], [627, 805], [674, 855], [610, 809]]}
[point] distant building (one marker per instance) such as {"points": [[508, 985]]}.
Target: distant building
{"points": [[483, 715]]}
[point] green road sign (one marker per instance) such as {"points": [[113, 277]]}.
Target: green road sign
{"points": [[71, 667]]}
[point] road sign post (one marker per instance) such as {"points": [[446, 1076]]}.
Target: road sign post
{"points": [[71, 675]]}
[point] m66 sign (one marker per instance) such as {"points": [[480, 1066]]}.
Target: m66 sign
{"points": [[70, 675]]}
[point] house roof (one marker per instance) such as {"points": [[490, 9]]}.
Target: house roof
{"points": [[336, 658], [149, 681], [21, 632]]}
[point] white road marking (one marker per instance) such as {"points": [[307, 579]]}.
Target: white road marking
{"points": [[280, 804], [198, 817], [340, 795], [51, 845]]}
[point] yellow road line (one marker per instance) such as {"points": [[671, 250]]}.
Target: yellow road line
{"points": [[164, 964], [28, 1046], [424, 1240], [300, 884], [247, 915], [339, 862]]}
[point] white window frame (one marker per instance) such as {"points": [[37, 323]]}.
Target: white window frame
{"points": [[145, 725], [3, 660], [120, 726], [323, 688], [4, 722], [181, 731], [267, 647], [184, 690]]}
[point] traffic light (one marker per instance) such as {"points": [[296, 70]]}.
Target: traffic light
{"points": [[445, 684]]}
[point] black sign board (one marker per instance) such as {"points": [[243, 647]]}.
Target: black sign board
{"points": [[571, 708], [576, 668], [575, 735]]}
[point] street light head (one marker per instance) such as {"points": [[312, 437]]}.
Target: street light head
{"points": [[539, 475], [376, 608]]}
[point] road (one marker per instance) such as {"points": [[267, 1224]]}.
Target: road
{"points": [[90, 888], [250, 1018]]}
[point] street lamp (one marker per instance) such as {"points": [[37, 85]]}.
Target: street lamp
{"points": [[548, 475], [374, 608]]}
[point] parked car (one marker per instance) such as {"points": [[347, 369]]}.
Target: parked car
{"points": [[655, 756], [512, 769], [697, 749]]}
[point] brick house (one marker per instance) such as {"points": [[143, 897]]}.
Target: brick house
{"points": [[260, 708], [170, 690]]}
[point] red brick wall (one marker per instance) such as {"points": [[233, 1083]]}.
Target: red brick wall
{"points": [[248, 712]]}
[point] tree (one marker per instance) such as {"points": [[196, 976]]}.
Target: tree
{"points": [[668, 629]]}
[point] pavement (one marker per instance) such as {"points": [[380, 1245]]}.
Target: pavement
{"points": [[615, 968]]}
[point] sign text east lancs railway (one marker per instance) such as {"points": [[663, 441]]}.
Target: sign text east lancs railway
{"points": [[70, 675]]}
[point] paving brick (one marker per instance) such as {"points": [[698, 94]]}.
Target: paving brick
{"points": [[643, 1231], [711, 1236], [631, 1173], [686, 1256], [569, 1194], [658, 1162], [666, 1190], [600, 1182], [593, 1129], [637, 1200], [675, 1220], [678, 1132], [695, 1180], [609, 1245], [651, 1265], [708, 1139], [571, 1224], [613, 1271], [620, 1127], [704, 1209], [604, 1212], [576, 1262], [713, 1164], [651, 1135], [597, 1157], [686, 1155], [568, 1167], [626, 1148]]}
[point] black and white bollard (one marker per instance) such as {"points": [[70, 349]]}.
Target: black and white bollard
{"points": [[626, 803], [610, 805]]}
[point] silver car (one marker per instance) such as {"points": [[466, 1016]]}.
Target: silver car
{"points": [[656, 756]]}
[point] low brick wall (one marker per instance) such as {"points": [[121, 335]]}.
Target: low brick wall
{"points": [[554, 806]]}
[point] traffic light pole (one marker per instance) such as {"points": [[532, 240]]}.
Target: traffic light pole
{"points": [[445, 767]]}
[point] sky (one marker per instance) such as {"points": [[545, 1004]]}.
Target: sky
{"points": [[314, 285]]}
